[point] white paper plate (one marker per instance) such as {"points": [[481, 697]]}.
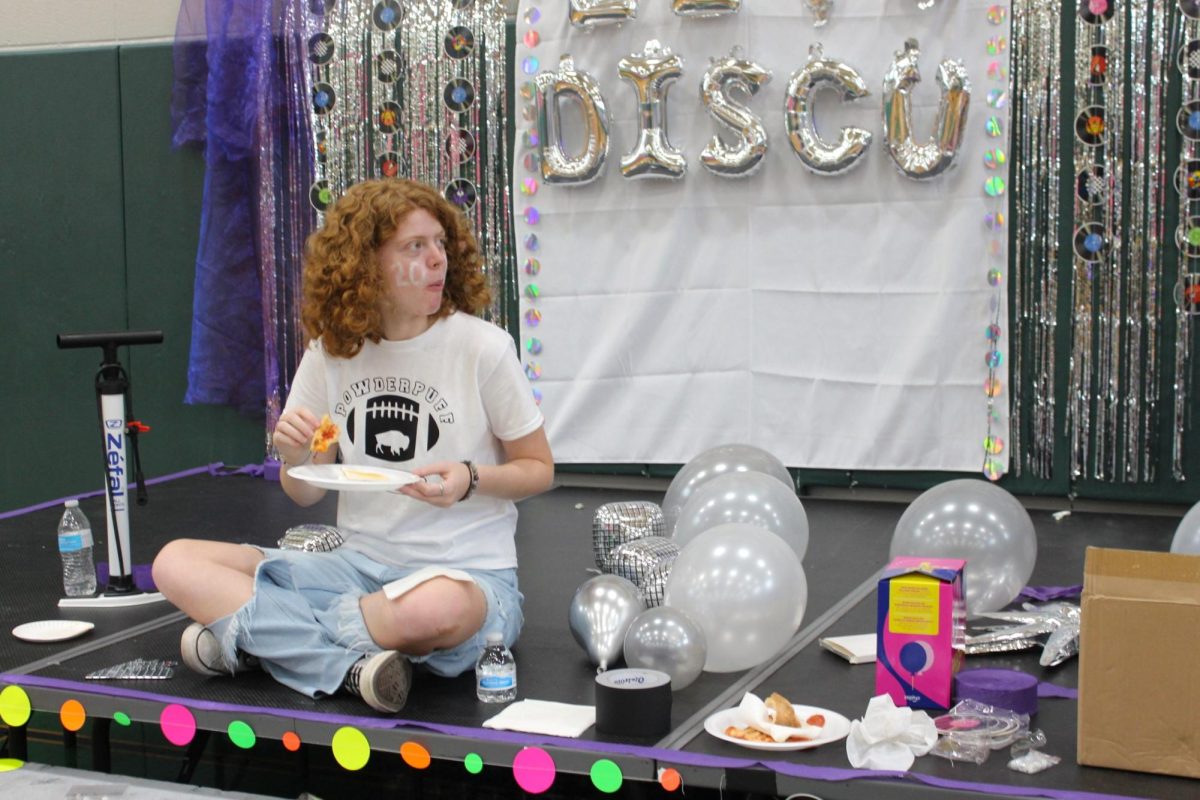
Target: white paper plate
{"points": [[836, 728], [52, 630], [356, 479]]}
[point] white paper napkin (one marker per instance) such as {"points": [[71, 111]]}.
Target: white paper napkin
{"points": [[543, 716], [889, 738], [754, 713]]}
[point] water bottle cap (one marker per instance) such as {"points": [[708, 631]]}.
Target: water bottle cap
{"points": [[71, 504], [495, 637]]}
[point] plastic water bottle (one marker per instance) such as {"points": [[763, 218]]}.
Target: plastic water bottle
{"points": [[496, 672], [75, 547]]}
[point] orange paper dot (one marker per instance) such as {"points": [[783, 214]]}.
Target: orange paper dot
{"points": [[415, 755], [72, 715], [291, 741], [670, 779]]}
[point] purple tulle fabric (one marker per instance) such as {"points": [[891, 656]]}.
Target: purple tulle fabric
{"points": [[240, 91]]}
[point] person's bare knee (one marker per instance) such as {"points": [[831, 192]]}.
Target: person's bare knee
{"points": [[177, 565], [437, 614]]}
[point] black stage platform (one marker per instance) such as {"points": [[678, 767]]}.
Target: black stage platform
{"points": [[848, 545]]}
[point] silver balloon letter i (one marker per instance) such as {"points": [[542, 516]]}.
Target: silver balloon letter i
{"points": [[567, 83], [744, 157], [652, 72], [935, 156], [589, 13], [823, 73]]}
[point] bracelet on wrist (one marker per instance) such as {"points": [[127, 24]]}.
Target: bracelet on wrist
{"points": [[474, 483]]}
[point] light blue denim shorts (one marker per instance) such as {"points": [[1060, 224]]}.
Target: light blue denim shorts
{"points": [[351, 575]]}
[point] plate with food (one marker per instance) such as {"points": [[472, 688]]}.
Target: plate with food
{"points": [[342, 478], [777, 724]]}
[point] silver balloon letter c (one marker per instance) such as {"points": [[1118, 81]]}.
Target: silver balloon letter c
{"points": [[568, 83], [933, 157], [818, 156]]}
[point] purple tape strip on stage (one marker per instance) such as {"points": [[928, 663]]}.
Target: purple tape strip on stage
{"points": [[1044, 594], [668, 757]]}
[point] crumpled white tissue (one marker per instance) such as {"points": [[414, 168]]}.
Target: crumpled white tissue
{"points": [[889, 738], [754, 713]]}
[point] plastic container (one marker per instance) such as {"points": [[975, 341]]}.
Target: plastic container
{"points": [[75, 546], [496, 672]]}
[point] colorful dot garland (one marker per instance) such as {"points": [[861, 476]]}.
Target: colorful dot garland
{"points": [[528, 186], [533, 768]]}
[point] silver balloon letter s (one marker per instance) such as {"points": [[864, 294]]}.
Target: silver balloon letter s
{"points": [[568, 83], [933, 157], [818, 156], [746, 156], [705, 8], [652, 72], [589, 13]]}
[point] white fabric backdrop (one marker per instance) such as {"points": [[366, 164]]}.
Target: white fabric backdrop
{"points": [[837, 322]]}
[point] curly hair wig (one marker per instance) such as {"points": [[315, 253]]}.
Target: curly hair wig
{"points": [[343, 284]]}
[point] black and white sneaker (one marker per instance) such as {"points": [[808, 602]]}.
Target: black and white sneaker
{"points": [[382, 680], [201, 651]]}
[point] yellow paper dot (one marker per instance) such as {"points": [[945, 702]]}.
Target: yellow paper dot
{"points": [[9, 764], [14, 706], [351, 748]]}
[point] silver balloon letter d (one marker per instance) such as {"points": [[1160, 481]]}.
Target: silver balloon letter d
{"points": [[562, 84]]}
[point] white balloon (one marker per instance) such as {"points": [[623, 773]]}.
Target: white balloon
{"points": [[746, 590], [753, 498], [1187, 535], [713, 463], [978, 521]]}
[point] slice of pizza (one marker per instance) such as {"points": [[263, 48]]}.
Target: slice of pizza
{"points": [[325, 435]]}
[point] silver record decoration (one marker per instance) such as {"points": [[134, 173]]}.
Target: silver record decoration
{"points": [[416, 89], [1186, 295]]}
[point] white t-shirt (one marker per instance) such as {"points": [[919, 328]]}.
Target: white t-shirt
{"points": [[452, 393]]}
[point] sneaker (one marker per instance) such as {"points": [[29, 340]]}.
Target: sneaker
{"points": [[201, 651], [382, 680]]}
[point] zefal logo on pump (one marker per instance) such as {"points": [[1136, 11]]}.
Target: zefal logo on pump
{"points": [[114, 424]]}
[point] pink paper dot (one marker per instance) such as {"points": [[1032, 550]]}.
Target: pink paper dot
{"points": [[178, 724], [534, 770]]}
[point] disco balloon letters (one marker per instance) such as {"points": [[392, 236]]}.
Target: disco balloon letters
{"points": [[705, 8], [652, 72], [589, 13], [567, 83], [818, 156], [933, 157], [655, 68], [743, 158]]}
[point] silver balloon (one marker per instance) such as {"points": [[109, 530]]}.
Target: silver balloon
{"points": [[652, 72], [705, 8], [820, 157], [590, 13], [746, 590], [617, 523], [635, 561], [978, 521], [748, 497], [569, 84], [601, 612], [745, 157], [713, 463], [935, 156], [667, 640], [1187, 534]]}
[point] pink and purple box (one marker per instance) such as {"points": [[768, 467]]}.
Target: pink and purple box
{"points": [[922, 630]]}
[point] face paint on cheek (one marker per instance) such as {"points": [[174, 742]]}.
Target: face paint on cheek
{"points": [[413, 273]]}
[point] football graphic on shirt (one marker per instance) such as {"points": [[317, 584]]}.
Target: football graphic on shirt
{"points": [[391, 427]]}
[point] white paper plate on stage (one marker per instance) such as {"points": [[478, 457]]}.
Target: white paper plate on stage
{"points": [[52, 630], [835, 729], [355, 479]]}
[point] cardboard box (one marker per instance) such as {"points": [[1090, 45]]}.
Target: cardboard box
{"points": [[1139, 662], [921, 633]]}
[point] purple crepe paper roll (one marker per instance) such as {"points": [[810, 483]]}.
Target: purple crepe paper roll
{"points": [[1003, 688]]}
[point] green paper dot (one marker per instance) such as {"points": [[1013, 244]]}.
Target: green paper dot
{"points": [[606, 776], [241, 734], [473, 763], [121, 718]]}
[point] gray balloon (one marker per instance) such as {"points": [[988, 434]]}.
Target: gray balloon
{"points": [[746, 590], [978, 521], [750, 497], [1187, 535], [714, 463], [601, 612], [666, 639]]}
